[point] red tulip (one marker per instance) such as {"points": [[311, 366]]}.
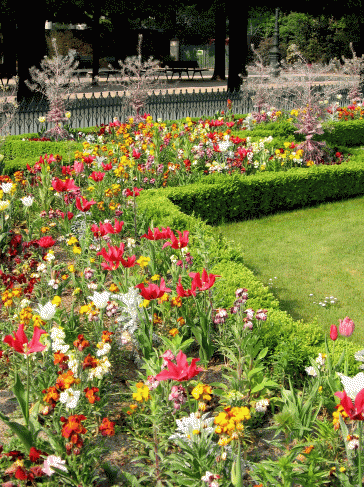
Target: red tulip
{"points": [[177, 243], [181, 371], [153, 291], [185, 293], [115, 254], [86, 205], [67, 185], [97, 176], [106, 167], [333, 332], [20, 340], [356, 410], [157, 235], [208, 280]]}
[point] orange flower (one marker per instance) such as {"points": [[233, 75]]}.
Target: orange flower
{"points": [[106, 336], [177, 301], [73, 428], [60, 358], [81, 343], [64, 381], [173, 332], [90, 361], [107, 428], [52, 395], [90, 393]]}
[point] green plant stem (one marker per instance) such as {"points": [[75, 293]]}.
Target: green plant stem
{"points": [[359, 454], [27, 395]]}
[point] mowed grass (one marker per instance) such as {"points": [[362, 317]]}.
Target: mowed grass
{"points": [[319, 251]]}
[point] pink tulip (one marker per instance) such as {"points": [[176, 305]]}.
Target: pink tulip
{"points": [[78, 167], [346, 327]]}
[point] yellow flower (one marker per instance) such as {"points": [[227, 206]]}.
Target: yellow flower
{"points": [[64, 277], [155, 277], [143, 261], [4, 205], [144, 304], [202, 391], [113, 288], [86, 308], [56, 300], [287, 144], [310, 163], [342, 469], [72, 241], [76, 291], [67, 114], [76, 250], [142, 393], [91, 188], [92, 260], [173, 332], [71, 268], [100, 205], [44, 229]]}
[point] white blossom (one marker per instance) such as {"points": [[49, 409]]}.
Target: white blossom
{"points": [[70, 398], [100, 299], [47, 311]]}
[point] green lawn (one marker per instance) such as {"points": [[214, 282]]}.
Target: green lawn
{"points": [[317, 250]]}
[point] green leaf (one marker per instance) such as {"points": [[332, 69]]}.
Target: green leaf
{"points": [[20, 394], [21, 431], [257, 388]]}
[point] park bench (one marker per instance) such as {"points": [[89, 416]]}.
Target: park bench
{"points": [[183, 67], [6, 74]]}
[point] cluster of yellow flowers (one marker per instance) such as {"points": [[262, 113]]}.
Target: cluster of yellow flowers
{"points": [[229, 423]]}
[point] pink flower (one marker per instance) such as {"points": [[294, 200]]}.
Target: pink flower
{"points": [[97, 176], [205, 281], [356, 410], [333, 332], [182, 371], [78, 167], [178, 395], [20, 340], [153, 291], [346, 327], [168, 355], [53, 461]]}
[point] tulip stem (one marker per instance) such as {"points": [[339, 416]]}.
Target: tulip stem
{"points": [[359, 455], [27, 395]]}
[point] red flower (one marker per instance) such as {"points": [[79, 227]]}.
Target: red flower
{"points": [[178, 243], [46, 242], [355, 411], [153, 291], [34, 454], [97, 176], [182, 371], [185, 293], [157, 235], [20, 339], [67, 185], [127, 192], [73, 429], [333, 332], [106, 167], [86, 205], [69, 215], [106, 228], [208, 280], [107, 428], [81, 343]]}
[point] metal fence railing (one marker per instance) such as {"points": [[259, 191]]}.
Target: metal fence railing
{"points": [[87, 112]]}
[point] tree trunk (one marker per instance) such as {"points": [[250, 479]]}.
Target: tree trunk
{"points": [[96, 42], [238, 48], [220, 36], [30, 45]]}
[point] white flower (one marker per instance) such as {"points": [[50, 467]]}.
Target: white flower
{"points": [[7, 187], [53, 461], [320, 360], [100, 299], [130, 242], [49, 257], [353, 444], [70, 398], [73, 363], [47, 311], [60, 346], [103, 349], [41, 267], [311, 371], [262, 405], [352, 385], [57, 333], [24, 303], [41, 119], [27, 200], [188, 424], [4, 204], [174, 259], [339, 97]]}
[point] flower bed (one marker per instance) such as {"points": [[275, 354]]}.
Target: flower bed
{"points": [[101, 267]]}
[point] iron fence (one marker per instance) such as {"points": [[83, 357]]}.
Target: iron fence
{"points": [[87, 112]]}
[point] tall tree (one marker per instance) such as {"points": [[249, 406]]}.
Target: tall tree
{"points": [[220, 36]]}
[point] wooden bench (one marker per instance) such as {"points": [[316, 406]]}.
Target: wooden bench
{"points": [[183, 67], [6, 74]]}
